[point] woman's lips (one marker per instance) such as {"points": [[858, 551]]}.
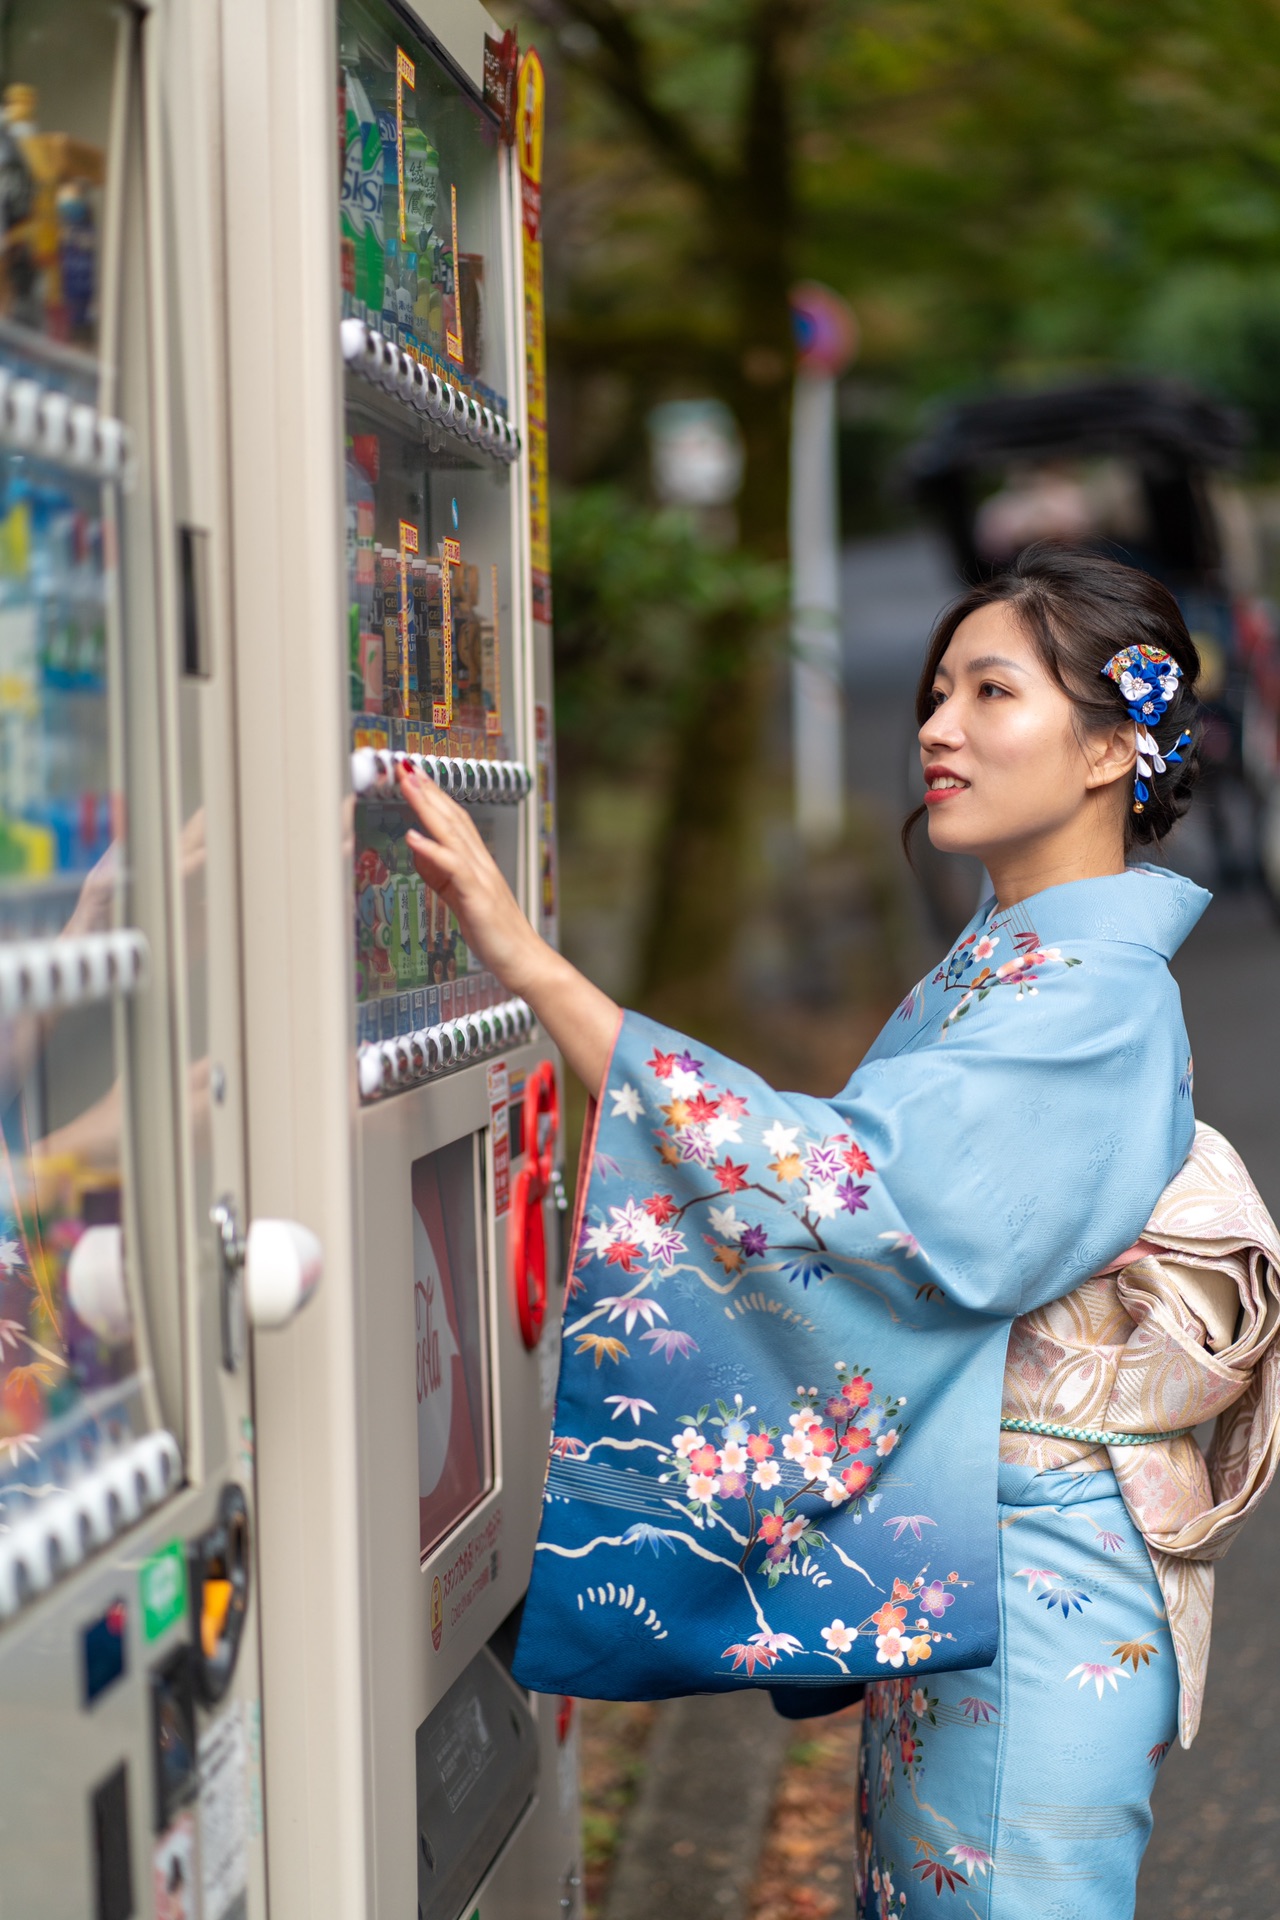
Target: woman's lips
{"points": [[935, 794]]}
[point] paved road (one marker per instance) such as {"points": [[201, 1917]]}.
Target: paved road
{"points": [[1216, 1850]]}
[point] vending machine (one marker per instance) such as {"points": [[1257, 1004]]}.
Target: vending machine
{"points": [[130, 1692], [386, 422]]}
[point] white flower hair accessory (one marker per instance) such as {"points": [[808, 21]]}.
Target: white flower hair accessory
{"points": [[1148, 680]]}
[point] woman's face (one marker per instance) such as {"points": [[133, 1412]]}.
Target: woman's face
{"points": [[1004, 768]]}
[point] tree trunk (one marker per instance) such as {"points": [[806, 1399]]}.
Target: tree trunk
{"points": [[699, 863]]}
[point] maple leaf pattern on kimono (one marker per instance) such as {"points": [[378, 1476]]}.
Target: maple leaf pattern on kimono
{"points": [[786, 1317]]}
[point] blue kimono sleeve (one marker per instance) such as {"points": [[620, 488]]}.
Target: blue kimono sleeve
{"points": [[776, 1434]]}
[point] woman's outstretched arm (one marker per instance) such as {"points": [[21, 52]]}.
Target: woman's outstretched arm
{"points": [[454, 861]]}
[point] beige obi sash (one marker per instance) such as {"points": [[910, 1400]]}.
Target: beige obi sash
{"points": [[1180, 1330]]}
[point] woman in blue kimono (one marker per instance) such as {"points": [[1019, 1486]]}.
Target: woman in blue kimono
{"points": [[1007, 1136]]}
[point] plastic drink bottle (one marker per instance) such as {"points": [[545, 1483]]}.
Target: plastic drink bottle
{"points": [[77, 259], [18, 288], [421, 196], [390, 321], [361, 199], [421, 186], [360, 561]]}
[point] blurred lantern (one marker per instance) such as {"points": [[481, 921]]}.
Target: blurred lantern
{"points": [[826, 337], [697, 453]]}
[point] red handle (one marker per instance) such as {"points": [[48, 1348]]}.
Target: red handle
{"points": [[528, 1230], [542, 1102]]}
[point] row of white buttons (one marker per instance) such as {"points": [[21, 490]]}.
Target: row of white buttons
{"points": [[388, 1064], [43, 421], [36, 975], [68, 1526], [375, 772], [369, 353]]}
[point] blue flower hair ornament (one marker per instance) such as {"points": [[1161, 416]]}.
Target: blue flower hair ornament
{"points": [[1148, 680]]}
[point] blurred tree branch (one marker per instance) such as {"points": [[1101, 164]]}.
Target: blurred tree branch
{"points": [[618, 63]]}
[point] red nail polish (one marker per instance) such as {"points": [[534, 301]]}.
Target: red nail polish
{"points": [[407, 764]]}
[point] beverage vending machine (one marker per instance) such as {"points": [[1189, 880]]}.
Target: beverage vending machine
{"points": [[388, 522], [130, 1689]]}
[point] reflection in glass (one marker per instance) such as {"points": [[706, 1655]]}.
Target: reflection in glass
{"points": [[70, 1358]]}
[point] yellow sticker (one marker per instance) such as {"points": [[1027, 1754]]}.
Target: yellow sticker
{"points": [[492, 662], [408, 545], [406, 76], [453, 341]]}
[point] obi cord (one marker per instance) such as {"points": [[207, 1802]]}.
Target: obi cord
{"points": [[1148, 680], [1091, 1436]]}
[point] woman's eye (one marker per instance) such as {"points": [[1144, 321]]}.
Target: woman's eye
{"points": [[936, 699], [990, 691]]}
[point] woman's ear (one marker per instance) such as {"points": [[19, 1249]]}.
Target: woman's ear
{"points": [[1111, 756]]}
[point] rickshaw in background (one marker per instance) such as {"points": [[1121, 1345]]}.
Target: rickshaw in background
{"points": [[1140, 467]]}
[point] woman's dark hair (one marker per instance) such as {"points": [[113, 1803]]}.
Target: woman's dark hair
{"points": [[1078, 608]]}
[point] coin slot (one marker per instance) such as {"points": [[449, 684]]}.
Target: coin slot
{"points": [[219, 1587]]}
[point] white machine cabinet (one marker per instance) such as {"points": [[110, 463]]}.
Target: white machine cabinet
{"points": [[387, 501]]}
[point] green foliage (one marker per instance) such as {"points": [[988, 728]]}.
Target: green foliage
{"points": [[1218, 325], [1001, 187], [632, 587]]}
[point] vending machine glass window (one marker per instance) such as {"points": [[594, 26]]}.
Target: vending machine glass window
{"points": [[73, 1383], [430, 559]]}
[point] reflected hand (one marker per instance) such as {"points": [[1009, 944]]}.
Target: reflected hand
{"points": [[94, 909]]}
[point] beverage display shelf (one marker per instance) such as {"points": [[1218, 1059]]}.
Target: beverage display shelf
{"points": [[421, 401], [375, 776], [370, 410], [39, 976], [25, 343], [46, 423], [66, 1527], [24, 889], [387, 1066]]}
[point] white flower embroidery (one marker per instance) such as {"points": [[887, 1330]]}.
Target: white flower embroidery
{"points": [[726, 1222], [627, 1104], [824, 1199], [622, 1403], [1100, 1673], [781, 1140]]}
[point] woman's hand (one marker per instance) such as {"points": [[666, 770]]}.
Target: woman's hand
{"points": [[455, 863]]}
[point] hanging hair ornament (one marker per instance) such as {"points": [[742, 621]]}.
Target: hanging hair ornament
{"points": [[1148, 680]]}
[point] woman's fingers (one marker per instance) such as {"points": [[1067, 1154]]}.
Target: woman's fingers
{"points": [[433, 808], [436, 864]]}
